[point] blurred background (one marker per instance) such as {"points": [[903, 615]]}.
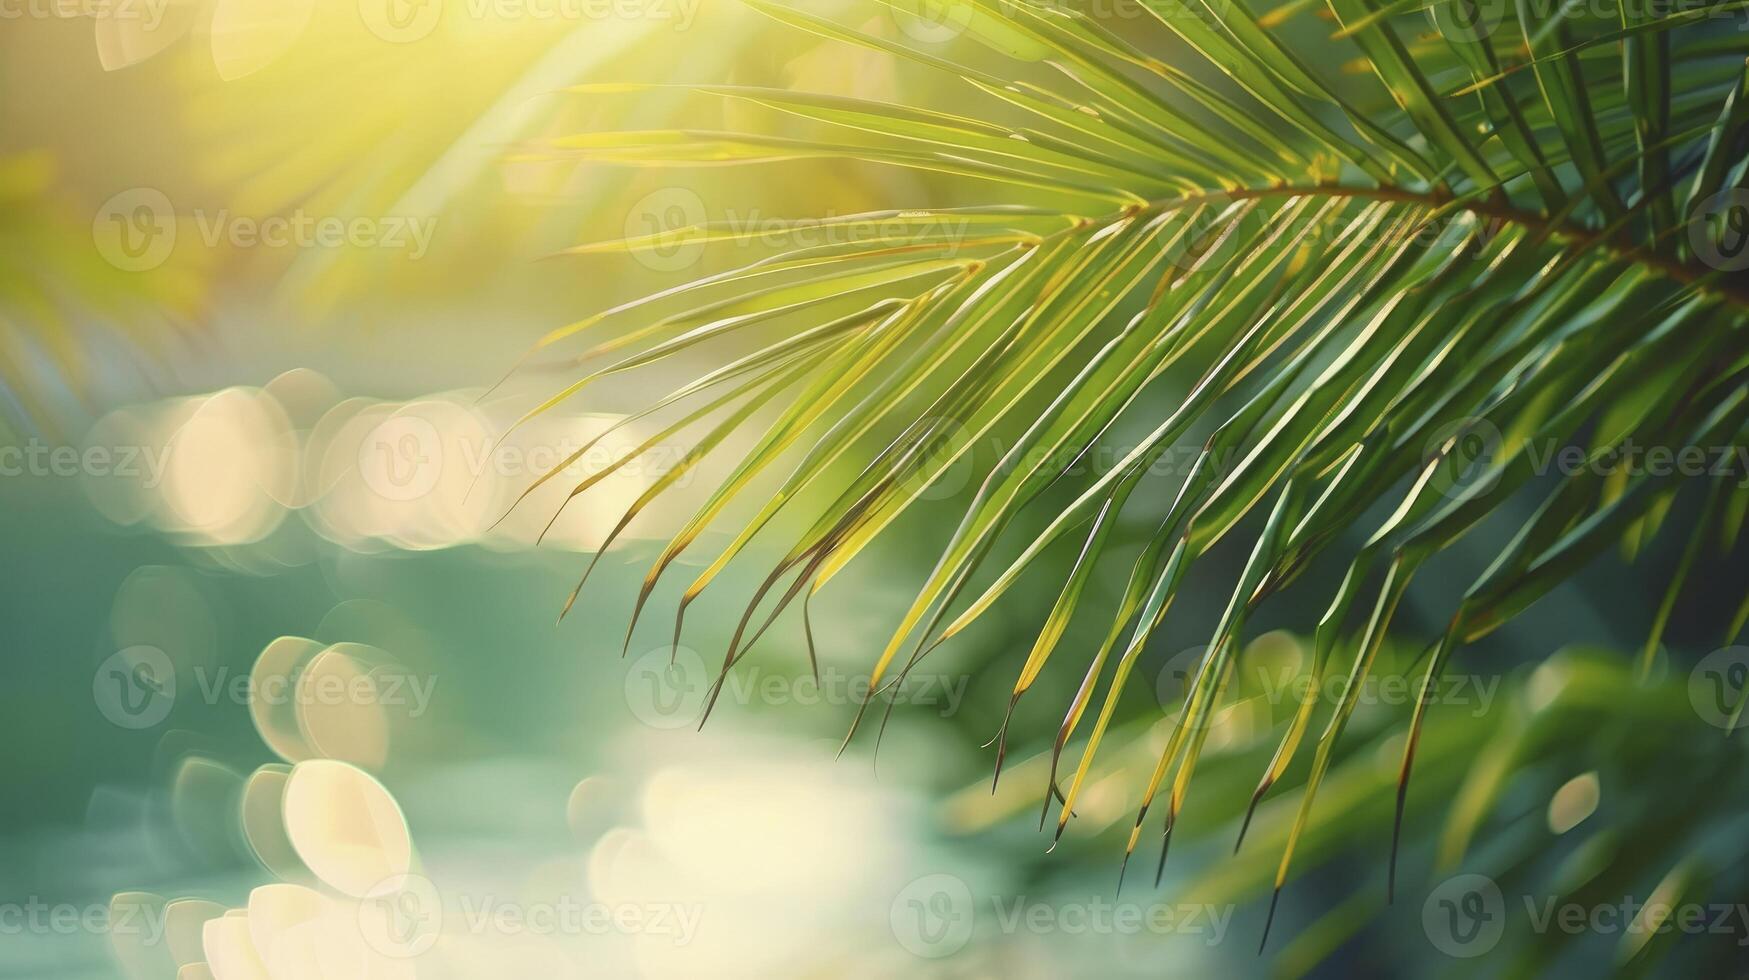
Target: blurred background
{"points": [[284, 695]]}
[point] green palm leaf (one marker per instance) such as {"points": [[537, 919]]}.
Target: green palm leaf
{"points": [[1390, 293]]}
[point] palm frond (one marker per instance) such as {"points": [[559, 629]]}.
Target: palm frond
{"points": [[60, 296], [1390, 293]]}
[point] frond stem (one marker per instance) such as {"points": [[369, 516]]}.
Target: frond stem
{"points": [[1734, 289]]}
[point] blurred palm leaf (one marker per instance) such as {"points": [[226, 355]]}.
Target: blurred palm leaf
{"points": [[1377, 300], [441, 105], [1551, 778], [58, 295]]}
